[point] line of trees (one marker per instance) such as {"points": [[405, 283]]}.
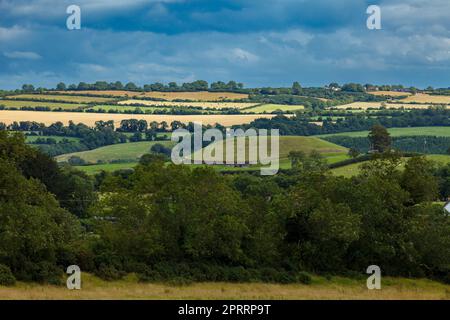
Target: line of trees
{"points": [[300, 125], [182, 224]]}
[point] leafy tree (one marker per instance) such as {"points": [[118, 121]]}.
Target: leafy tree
{"points": [[353, 152], [296, 88], [419, 180], [161, 149], [380, 138], [61, 86], [76, 161], [34, 229]]}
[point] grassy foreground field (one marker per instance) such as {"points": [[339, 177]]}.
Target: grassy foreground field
{"points": [[320, 288]]}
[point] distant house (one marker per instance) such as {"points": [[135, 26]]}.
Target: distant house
{"points": [[447, 207]]}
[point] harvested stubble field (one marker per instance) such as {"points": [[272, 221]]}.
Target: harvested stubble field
{"points": [[193, 96], [390, 93], [212, 105], [62, 98], [320, 289], [9, 116], [426, 98]]}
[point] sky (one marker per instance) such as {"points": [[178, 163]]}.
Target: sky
{"points": [[257, 42]]}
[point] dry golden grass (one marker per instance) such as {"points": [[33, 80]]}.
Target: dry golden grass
{"points": [[426, 98], [193, 96], [9, 116], [213, 105], [320, 289], [389, 93]]}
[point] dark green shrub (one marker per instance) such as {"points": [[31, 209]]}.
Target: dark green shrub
{"points": [[6, 276], [109, 273], [304, 277], [47, 272]]}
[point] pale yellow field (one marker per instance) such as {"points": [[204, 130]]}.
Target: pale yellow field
{"points": [[390, 93], [320, 289], [426, 98], [194, 96], [9, 116], [213, 105], [377, 105]]}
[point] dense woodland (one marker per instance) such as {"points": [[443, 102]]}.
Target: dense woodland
{"points": [[168, 222]]}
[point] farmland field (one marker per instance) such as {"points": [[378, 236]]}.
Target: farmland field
{"points": [[321, 288], [268, 108], [294, 143], [354, 168], [122, 152], [378, 105], [212, 105], [79, 99], [51, 105], [426, 98], [30, 139], [122, 108], [9, 116], [390, 93], [194, 96], [398, 132]]}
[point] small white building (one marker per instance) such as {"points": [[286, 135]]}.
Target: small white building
{"points": [[447, 207]]}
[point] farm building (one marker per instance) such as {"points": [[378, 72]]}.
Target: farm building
{"points": [[447, 207]]}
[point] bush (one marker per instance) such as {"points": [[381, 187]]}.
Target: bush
{"points": [[304, 277], [76, 161], [6, 276], [109, 273], [46, 272]]}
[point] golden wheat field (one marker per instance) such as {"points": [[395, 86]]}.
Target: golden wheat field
{"points": [[390, 93], [212, 105], [426, 98], [9, 116], [335, 288], [193, 96]]}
